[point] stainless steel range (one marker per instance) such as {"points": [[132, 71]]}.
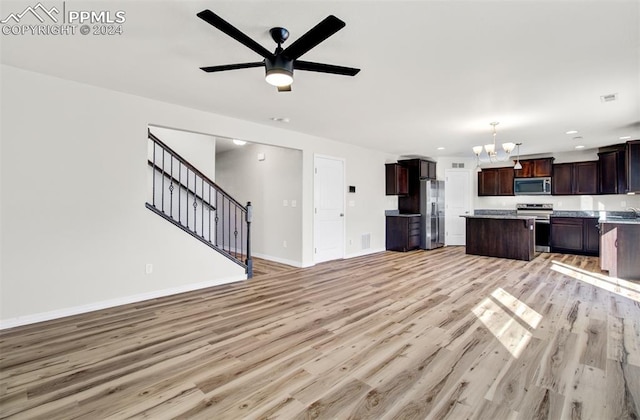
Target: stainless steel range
{"points": [[542, 212]]}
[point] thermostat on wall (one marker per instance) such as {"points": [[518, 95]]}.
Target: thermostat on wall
{"points": [[352, 188]]}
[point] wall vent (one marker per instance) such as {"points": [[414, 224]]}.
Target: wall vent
{"points": [[609, 98], [366, 240], [457, 165]]}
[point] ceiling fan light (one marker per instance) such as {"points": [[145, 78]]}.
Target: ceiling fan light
{"points": [[279, 77]]}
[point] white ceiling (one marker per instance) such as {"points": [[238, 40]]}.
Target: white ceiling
{"points": [[434, 73]]}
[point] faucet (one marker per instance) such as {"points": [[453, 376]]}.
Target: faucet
{"points": [[635, 210]]}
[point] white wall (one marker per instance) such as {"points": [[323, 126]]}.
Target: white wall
{"points": [[267, 184], [562, 202], [75, 231]]}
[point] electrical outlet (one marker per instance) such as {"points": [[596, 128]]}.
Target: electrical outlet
{"points": [[284, 244], [149, 268], [623, 204], [294, 203], [285, 203]]}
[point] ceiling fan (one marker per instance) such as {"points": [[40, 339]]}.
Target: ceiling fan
{"points": [[280, 64]]}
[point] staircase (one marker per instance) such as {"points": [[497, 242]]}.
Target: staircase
{"points": [[192, 202]]}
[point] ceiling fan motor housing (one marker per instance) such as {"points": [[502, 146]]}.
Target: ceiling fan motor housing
{"points": [[279, 67]]}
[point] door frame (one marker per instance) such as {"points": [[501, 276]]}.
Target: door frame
{"points": [[344, 199]]}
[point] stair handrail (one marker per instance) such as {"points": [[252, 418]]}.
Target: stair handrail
{"points": [[193, 168], [246, 210]]}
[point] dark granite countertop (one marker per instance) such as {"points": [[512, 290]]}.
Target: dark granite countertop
{"points": [[403, 215], [497, 216], [620, 221]]}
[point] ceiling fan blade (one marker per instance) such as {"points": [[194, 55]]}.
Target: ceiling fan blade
{"points": [[284, 88], [225, 67], [216, 21], [325, 68], [323, 30]]}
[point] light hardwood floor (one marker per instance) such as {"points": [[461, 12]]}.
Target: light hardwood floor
{"points": [[426, 334]]}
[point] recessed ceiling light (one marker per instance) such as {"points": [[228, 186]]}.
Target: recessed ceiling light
{"points": [[577, 138], [440, 148], [579, 146], [625, 138], [571, 132], [280, 119], [239, 142]]}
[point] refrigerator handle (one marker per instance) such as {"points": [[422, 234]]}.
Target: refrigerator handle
{"points": [[435, 208]]}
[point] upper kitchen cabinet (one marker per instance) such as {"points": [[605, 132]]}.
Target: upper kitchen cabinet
{"points": [[505, 181], [562, 183], [612, 165], [419, 168], [585, 177], [427, 169], [633, 166], [495, 181], [396, 179], [576, 178], [532, 168]]}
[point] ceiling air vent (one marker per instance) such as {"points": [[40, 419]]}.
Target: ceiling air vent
{"points": [[609, 98]]}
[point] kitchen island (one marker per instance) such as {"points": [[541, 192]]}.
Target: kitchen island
{"points": [[502, 236], [620, 247]]}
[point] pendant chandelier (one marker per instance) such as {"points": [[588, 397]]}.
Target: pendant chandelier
{"points": [[492, 152]]}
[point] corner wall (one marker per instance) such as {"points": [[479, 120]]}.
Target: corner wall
{"points": [[75, 231], [276, 231]]}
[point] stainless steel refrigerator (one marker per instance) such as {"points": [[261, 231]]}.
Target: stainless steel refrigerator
{"points": [[432, 211]]}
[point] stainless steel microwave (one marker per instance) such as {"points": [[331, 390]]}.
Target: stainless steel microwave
{"points": [[532, 186]]}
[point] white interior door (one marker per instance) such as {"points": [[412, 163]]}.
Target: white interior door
{"points": [[457, 192], [328, 221]]}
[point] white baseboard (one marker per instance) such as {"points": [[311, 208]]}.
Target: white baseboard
{"points": [[364, 252], [76, 310], [279, 260]]}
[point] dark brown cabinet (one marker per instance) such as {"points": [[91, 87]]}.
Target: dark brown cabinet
{"points": [[502, 238], [633, 166], [488, 182], [585, 177], [505, 181], [576, 178], [417, 169], [620, 247], [495, 181], [535, 168], [591, 235], [427, 169], [396, 179], [575, 235], [402, 232], [562, 182], [612, 167]]}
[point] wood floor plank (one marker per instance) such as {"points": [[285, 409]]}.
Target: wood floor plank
{"points": [[423, 334]]}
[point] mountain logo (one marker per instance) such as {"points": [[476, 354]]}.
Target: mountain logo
{"points": [[38, 10]]}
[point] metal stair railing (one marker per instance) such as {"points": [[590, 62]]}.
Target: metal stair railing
{"points": [[188, 199]]}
